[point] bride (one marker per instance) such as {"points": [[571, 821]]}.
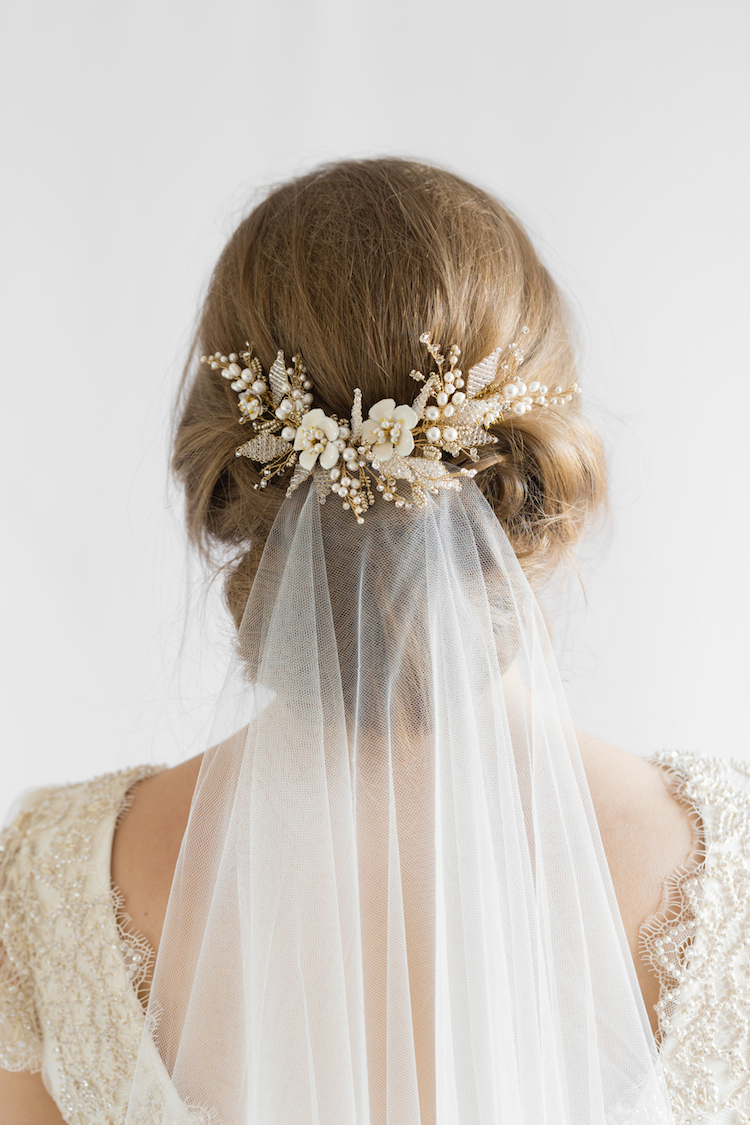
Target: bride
{"points": [[398, 889]]}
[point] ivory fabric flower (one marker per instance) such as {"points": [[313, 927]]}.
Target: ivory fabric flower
{"points": [[388, 429], [315, 437], [250, 405]]}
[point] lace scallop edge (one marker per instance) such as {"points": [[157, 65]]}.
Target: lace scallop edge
{"points": [[138, 953], [675, 917]]}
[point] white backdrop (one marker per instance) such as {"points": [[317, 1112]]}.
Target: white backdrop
{"points": [[135, 136]]}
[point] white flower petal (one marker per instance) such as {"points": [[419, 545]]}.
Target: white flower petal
{"points": [[405, 443], [313, 418], [383, 452], [368, 430], [329, 427], [406, 415], [299, 437], [307, 459], [382, 409], [329, 456]]}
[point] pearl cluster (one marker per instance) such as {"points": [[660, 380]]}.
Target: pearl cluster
{"points": [[252, 387], [520, 397], [348, 485], [447, 399]]}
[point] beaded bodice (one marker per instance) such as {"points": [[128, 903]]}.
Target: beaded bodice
{"points": [[700, 947], [70, 966]]}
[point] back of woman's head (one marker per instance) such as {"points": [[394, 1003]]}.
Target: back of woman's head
{"points": [[347, 266]]}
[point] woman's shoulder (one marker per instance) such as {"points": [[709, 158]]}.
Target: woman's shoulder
{"points": [[642, 821], [65, 816], [658, 813], [147, 842]]}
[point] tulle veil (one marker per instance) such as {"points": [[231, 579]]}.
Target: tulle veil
{"points": [[392, 905]]}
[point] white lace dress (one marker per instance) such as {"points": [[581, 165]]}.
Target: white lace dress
{"points": [[70, 965]]}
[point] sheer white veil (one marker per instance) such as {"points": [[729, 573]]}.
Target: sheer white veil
{"points": [[392, 905]]}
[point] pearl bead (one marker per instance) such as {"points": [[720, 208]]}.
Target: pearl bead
{"points": [[307, 398], [281, 414], [558, 390], [441, 398], [521, 388], [510, 391], [296, 393], [234, 357], [433, 434], [350, 454], [344, 432], [432, 413], [519, 408], [307, 385], [543, 388], [457, 381], [260, 386], [345, 482], [459, 397], [449, 410], [449, 433], [288, 433], [335, 474], [449, 388], [534, 387], [340, 444]]}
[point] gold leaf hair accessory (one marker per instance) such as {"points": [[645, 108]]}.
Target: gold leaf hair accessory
{"points": [[450, 416]]}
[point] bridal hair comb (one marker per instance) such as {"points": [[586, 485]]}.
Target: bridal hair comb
{"points": [[450, 415]]}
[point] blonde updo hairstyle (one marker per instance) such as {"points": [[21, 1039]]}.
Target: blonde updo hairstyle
{"points": [[347, 266]]}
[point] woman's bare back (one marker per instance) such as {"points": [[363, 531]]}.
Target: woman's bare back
{"points": [[646, 836]]}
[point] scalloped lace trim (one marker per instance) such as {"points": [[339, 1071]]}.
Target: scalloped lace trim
{"points": [[138, 953], [666, 936]]}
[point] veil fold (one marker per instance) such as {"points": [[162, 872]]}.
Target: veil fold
{"points": [[391, 904]]}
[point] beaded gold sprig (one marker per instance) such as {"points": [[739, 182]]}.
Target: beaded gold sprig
{"points": [[450, 415]]}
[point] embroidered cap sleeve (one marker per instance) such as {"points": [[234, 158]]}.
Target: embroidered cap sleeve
{"points": [[700, 949], [20, 1032], [71, 964]]}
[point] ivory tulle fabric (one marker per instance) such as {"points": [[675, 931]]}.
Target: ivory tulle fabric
{"points": [[392, 906]]}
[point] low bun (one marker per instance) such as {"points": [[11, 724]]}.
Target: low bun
{"points": [[347, 267], [543, 479]]}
